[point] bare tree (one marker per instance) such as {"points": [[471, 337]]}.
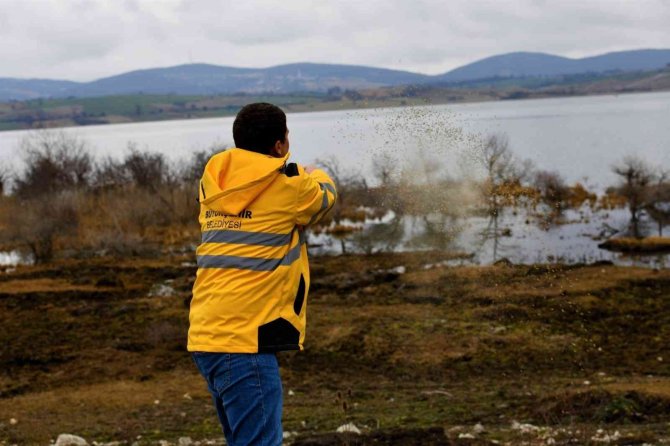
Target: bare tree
{"points": [[553, 192], [385, 169], [4, 179], [636, 177], [502, 172], [148, 170], [349, 184], [191, 171], [499, 161], [44, 206], [387, 195], [110, 173], [39, 221], [658, 205]]}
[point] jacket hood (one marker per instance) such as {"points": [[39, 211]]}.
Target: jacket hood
{"points": [[234, 178]]}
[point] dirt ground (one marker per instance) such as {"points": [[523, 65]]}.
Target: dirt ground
{"points": [[449, 355]]}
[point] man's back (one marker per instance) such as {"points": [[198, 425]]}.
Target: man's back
{"points": [[249, 295]]}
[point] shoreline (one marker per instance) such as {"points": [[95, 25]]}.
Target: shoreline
{"points": [[324, 107]]}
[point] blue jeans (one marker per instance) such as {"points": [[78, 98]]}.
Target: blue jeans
{"points": [[247, 394]]}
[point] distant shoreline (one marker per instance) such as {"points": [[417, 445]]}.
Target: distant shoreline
{"points": [[85, 112]]}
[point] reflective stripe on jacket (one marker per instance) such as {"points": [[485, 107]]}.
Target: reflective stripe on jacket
{"points": [[251, 288]]}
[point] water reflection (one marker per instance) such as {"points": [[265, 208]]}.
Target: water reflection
{"points": [[520, 242]]}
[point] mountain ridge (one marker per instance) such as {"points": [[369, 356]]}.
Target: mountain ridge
{"points": [[530, 64], [210, 79]]}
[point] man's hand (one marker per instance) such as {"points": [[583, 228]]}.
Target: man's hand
{"points": [[310, 168]]}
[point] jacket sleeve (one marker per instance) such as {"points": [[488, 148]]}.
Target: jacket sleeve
{"points": [[316, 196]]}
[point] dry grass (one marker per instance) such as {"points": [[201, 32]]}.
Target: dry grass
{"points": [[88, 349], [659, 386], [99, 409], [43, 285]]}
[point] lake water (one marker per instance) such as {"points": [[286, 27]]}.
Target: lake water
{"points": [[580, 137], [524, 243]]}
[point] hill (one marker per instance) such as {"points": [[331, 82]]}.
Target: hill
{"points": [[21, 89], [523, 64], [205, 79]]}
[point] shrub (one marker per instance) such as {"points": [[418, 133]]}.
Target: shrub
{"points": [[39, 222], [55, 161]]}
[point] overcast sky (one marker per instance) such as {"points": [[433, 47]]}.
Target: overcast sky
{"points": [[88, 39]]}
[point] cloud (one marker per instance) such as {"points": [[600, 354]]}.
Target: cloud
{"points": [[83, 40]]}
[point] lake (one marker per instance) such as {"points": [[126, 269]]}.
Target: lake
{"points": [[580, 137]]}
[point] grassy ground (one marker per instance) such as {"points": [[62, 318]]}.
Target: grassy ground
{"points": [[541, 354]]}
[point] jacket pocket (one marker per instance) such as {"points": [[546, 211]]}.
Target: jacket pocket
{"points": [[278, 335], [300, 296]]}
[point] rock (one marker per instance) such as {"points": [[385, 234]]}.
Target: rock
{"points": [[437, 392], [184, 441], [478, 428], [524, 428], [161, 290], [289, 434], [70, 440], [398, 270], [349, 427], [604, 437]]}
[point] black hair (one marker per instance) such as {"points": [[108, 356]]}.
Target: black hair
{"points": [[258, 127]]}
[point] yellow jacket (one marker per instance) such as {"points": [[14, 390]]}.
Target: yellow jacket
{"points": [[251, 287]]}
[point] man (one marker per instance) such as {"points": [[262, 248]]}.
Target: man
{"points": [[249, 297]]}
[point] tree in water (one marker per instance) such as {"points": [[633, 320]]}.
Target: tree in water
{"points": [[553, 192], [658, 206], [636, 177], [502, 184]]}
